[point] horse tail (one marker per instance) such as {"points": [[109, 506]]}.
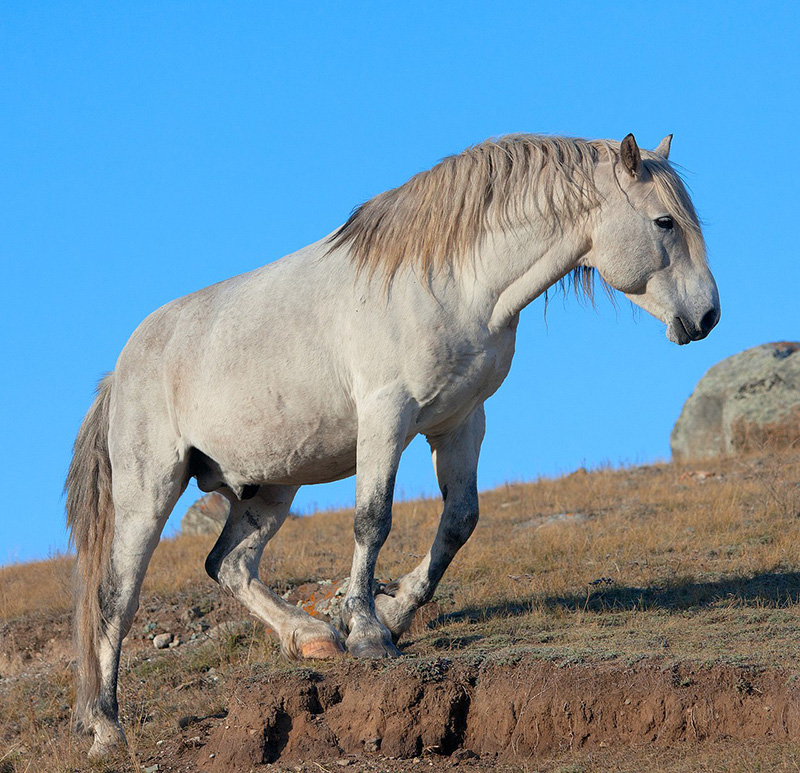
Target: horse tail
{"points": [[90, 518]]}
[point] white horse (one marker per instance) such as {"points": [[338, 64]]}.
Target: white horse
{"points": [[328, 362]]}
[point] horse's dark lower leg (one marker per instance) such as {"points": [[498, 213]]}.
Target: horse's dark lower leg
{"points": [[368, 637], [233, 563], [382, 431], [456, 462]]}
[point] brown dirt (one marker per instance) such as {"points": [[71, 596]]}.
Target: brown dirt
{"points": [[509, 708]]}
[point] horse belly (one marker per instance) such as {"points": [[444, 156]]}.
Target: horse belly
{"points": [[279, 442], [324, 454]]}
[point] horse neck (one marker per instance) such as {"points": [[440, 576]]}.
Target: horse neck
{"points": [[515, 267]]}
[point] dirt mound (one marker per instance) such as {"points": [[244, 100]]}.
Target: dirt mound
{"points": [[505, 709]]}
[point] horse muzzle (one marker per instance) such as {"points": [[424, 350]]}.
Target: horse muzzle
{"points": [[682, 330]]}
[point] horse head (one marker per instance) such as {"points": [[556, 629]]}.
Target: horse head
{"points": [[646, 240]]}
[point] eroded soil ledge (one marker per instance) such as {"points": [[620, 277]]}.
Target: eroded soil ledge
{"points": [[507, 708]]}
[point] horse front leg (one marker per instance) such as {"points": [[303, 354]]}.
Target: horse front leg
{"points": [[455, 459], [382, 430]]}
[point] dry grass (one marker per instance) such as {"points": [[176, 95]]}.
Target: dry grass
{"points": [[40, 586], [658, 563]]}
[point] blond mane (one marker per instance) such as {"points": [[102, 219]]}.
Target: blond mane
{"points": [[439, 217]]}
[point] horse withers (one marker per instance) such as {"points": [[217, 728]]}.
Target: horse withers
{"points": [[329, 361]]}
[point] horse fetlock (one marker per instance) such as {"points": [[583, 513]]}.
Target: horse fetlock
{"points": [[352, 608]]}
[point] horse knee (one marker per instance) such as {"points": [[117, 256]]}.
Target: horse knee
{"points": [[457, 529], [370, 529]]}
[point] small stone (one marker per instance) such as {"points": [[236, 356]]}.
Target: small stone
{"points": [[151, 769], [162, 641], [372, 745], [191, 614], [344, 763]]}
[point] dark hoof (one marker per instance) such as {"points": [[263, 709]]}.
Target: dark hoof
{"points": [[373, 650]]}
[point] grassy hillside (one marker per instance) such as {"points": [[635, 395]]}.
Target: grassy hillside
{"points": [[662, 566]]}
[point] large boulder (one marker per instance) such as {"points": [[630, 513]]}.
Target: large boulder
{"points": [[748, 401], [207, 515]]}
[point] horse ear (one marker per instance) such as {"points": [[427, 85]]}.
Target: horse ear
{"points": [[631, 158], [663, 147]]}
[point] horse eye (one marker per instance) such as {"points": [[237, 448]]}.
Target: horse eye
{"points": [[665, 222]]}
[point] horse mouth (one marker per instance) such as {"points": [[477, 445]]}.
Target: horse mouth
{"points": [[677, 332], [681, 333]]}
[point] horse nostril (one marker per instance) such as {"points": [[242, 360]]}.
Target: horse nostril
{"points": [[708, 321]]}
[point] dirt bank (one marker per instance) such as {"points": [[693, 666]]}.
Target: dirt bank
{"points": [[509, 709]]}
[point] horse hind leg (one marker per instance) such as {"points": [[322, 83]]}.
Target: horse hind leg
{"points": [[140, 512], [233, 563]]}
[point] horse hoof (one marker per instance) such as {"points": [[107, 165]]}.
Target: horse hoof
{"points": [[321, 649], [372, 650], [108, 738]]}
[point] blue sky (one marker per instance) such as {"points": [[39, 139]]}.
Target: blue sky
{"points": [[151, 149]]}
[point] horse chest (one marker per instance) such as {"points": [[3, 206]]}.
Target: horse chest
{"points": [[465, 377]]}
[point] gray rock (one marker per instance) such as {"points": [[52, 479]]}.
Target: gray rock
{"points": [[207, 515], [748, 401], [162, 641], [191, 614]]}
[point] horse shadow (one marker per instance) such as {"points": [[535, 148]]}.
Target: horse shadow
{"points": [[770, 589]]}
